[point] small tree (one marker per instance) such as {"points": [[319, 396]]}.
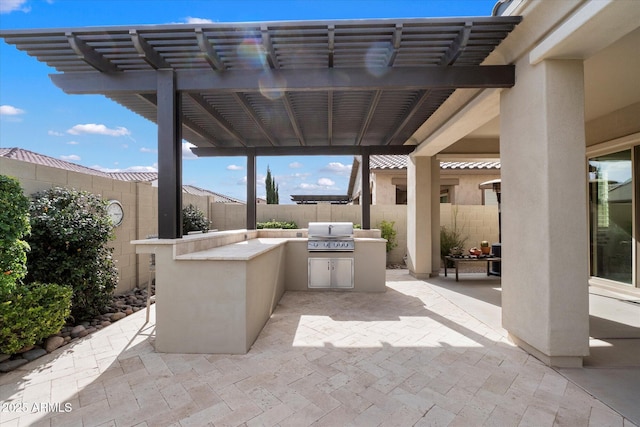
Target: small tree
{"points": [[272, 189], [69, 234]]}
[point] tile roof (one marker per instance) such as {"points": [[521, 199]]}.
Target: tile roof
{"points": [[469, 165], [218, 198], [400, 162], [134, 176], [40, 159]]}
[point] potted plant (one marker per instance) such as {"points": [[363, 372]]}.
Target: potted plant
{"points": [[485, 248]]}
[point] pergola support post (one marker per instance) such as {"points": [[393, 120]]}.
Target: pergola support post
{"points": [[251, 189], [366, 191], [169, 157]]}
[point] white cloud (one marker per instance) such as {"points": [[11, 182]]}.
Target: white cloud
{"points": [[10, 110], [98, 129], [148, 150], [337, 168], [295, 165], [242, 181], [307, 186], [73, 143], [192, 20], [234, 168], [187, 154], [8, 6], [326, 182], [71, 158], [55, 133]]}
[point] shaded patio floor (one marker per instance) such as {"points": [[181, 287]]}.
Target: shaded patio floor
{"points": [[410, 356]]}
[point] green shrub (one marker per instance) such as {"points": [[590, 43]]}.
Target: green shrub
{"points": [[388, 232], [14, 226], [69, 234], [31, 313], [193, 219], [277, 224]]}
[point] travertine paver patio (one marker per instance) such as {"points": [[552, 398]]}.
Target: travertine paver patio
{"points": [[402, 358]]}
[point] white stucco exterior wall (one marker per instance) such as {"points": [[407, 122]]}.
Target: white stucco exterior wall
{"points": [[544, 220]]}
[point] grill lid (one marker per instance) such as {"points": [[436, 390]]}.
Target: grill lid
{"points": [[330, 230]]}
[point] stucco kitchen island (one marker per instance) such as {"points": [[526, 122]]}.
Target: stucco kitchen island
{"points": [[216, 291]]}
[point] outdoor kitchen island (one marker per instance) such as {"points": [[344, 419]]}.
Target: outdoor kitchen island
{"points": [[216, 291]]}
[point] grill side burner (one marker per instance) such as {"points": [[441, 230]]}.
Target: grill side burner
{"points": [[330, 237]]}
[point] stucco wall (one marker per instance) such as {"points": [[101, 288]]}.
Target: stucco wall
{"points": [[465, 192], [477, 222]]}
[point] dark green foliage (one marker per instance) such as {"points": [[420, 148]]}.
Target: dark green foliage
{"points": [[388, 232], [272, 189], [69, 234], [277, 224], [14, 226], [193, 219], [31, 313]]}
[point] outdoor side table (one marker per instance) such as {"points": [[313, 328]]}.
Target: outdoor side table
{"points": [[456, 261]]}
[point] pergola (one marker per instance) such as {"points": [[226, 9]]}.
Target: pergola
{"points": [[356, 87]]}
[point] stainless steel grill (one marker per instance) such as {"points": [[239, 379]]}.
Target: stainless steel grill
{"points": [[331, 237]]}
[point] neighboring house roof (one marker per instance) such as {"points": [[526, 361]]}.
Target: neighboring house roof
{"points": [[40, 159], [469, 165], [400, 162], [218, 198], [134, 176]]}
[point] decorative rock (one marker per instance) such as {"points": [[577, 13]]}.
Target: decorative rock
{"points": [[91, 330], [128, 311], [105, 323], [25, 349], [136, 309], [117, 316], [67, 339], [34, 354], [75, 332], [53, 343], [10, 365], [83, 333], [4, 357]]}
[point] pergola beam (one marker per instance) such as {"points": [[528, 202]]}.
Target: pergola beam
{"points": [[337, 150], [147, 52], [312, 80], [89, 55], [208, 52]]}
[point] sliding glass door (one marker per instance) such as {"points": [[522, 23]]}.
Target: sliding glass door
{"points": [[611, 216]]}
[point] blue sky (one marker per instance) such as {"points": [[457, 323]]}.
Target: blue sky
{"points": [[96, 132]]}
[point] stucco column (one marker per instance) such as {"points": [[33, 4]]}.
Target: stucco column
{"points": [[435, 217], [544, 212], [419, 245]]}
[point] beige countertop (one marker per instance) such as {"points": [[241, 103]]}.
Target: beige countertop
{"points": [[240, 251], [248, 249]]}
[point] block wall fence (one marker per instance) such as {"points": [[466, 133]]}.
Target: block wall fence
{"points": [[140, 203]]}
